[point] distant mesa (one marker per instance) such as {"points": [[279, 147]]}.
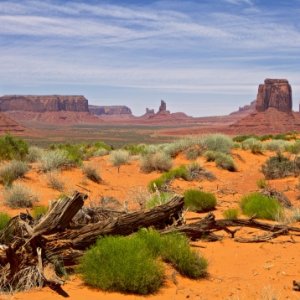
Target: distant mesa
{"points": [[110, 110], [273, 110], [53, 103], [9, 125], [276, 93]]}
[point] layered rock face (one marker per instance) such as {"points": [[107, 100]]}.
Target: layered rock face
{"points": [[110, 110], [53, 103], [276, 93]]}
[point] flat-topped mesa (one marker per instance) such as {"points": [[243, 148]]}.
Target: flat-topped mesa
{"points": [[51, 103], [275, 93], [110, 110]]}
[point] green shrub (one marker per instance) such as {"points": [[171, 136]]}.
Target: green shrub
{"points": [[242, 138], [231, 214], [176, 250], [278, 166], [225, 162], [12, 148], [91, 173], [135, 149], [34, 154], [260, 206], [19, 196], [158, 161], [102, 145], [54, 181], [119, 158], [54, 160], [275, 145], [211, 155], [217, 142], [39, 211], [100, 152], [193, 152], [253, 144], [199, 201], [293, 148], [265, 137], [12, 171], [158, 199], [121, 264], [4, 219]]}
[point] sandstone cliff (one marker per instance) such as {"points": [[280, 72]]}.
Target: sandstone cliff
{"points": [[110, 110], [276, 93], [53, 103]]}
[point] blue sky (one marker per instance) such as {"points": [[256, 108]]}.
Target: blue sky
{"points": [[202, 57]]}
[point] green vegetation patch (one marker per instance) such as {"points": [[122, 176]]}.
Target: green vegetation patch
{"points": [[199, 201], [4, 219], [260, 206]]}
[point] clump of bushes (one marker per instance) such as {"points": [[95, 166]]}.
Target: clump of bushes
{"points": [[261, 206], [12, 171], [193, 152], [199, 201], [34, 154], [12, 148], [54, 181], [54, 160], [4, 219], [131, 264], [158, 161], [136, 149], [217, 142], [242, 138], [196, 172], [231, 214], [100, 152], [91, 173], [279, 166], [223, 161], [19, 196], [275, 145], [119, 157], [254, 145]]}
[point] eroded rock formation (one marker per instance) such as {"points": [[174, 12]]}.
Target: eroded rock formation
{"points": [[110, 110], [40, 104], [163, 108], [276, 93]]}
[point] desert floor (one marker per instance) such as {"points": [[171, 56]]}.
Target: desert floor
{"points": [[236, 270]]}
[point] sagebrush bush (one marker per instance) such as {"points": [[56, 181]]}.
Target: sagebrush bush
{"points": [[242, 138], [91, 173], [119, 157], [34, 154], [275, 145], [199, 201], [19, 196], [122, 264], [12, 148], [55, 182], [217, 142], [260, 206], [193, 152], [225, 162], [100, 152], [231, 214], [4, 219], [254, 145], [278, 166], [54, 160], [158, 199], [158, 161], [293, 148], [136, 149], [12, 171], [39, 211], [211, 155]]}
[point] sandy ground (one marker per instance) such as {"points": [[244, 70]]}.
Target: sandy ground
{"points": [[236, 271]]}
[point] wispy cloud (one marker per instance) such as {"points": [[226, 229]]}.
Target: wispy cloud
{"points": [[200, 48]]}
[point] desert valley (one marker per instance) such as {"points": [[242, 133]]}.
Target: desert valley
{"points": [[202, 167]]}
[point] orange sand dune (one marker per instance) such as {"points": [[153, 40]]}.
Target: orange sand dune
{"points": [[236, 270]]}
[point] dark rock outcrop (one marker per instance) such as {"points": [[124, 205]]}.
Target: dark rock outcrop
{"points": [[275, 93], [110, 110], [53, 103], [149, 111], [163, 108]]}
